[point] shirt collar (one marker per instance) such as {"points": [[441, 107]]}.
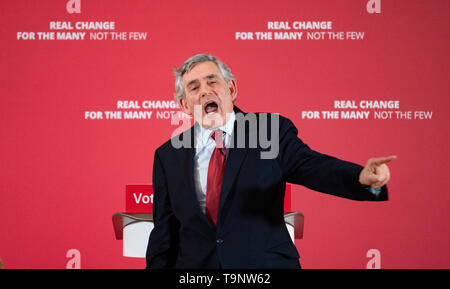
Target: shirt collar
{"points": [[202, 135]]}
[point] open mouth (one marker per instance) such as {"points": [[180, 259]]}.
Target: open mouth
{"points": [[211, 107]]}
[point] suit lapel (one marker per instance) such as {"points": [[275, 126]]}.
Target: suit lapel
{"points": [[187, 164], [233, 164]]}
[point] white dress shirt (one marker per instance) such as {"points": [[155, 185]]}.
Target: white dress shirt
{"points": [[204, 147]]}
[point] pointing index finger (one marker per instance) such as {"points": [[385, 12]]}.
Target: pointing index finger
{"points": [[383, 160]]}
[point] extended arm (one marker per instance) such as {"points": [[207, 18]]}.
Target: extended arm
{"points": [[320, 172]]}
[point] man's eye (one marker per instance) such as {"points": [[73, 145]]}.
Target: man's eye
{"points": [[212, 82], [194, 88]]}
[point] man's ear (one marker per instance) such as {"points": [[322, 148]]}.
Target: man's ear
{"points": [[232, 86], [184, 106]]}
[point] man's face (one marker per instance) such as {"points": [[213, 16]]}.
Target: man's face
{"points": [[209, 98]]}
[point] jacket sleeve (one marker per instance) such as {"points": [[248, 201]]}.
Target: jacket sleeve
{"points": [[162, 248], [320, 172]]}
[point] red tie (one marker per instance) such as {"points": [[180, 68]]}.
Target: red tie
{"points": [[216, 170]]}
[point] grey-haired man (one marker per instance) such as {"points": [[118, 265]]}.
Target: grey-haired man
{"points": [[218, 202]]}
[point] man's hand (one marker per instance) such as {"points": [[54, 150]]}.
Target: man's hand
{"points": [[376, 172]]}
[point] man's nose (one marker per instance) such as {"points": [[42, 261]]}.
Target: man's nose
{"points": [[205, 90]]}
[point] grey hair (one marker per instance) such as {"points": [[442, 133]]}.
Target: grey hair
{"points": [[190, 63]]}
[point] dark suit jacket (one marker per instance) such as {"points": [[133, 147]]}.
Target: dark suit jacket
{"points": [[251, 232]]}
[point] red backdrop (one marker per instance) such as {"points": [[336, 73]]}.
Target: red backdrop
{"points": [[63, 176]]}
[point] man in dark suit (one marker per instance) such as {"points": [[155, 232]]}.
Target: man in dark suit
{"points": [[219, 186]]}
